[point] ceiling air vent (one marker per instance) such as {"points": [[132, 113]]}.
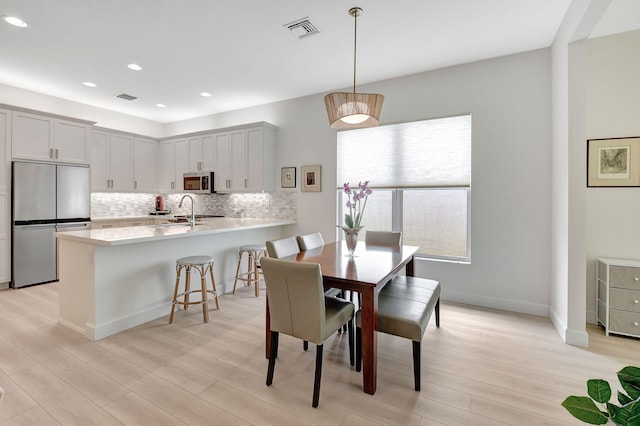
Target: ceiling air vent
{"points": [[126, 97], [302, 27]]}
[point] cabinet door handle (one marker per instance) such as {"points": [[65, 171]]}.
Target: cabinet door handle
{"points": [[135, 184], [199, 165], [50, 152], [56, 153], [245, 183]]}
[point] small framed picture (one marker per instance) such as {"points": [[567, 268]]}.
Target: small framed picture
{"points": [[311, 178], [613, 162], [288, 177]]}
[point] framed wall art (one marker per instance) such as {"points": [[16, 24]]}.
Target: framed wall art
{"points": [[613, 162], [288, 177], [311, 178]]}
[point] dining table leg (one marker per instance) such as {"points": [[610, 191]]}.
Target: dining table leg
{"points": [[369, 339]]}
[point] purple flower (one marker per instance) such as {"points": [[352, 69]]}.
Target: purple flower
{"points": [[354, 203]]}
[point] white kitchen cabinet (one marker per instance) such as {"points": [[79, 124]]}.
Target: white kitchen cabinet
{"points": [[618, 296], [173, 162], [222, 177], [201, 153], [245, 159], [111, 162], [145, 165], [167, 166], [182, 161], [38, 137]]}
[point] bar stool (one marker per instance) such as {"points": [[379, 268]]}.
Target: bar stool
{"points": [[202, 264], [252, 276]]}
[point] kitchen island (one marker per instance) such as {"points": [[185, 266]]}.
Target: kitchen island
{"points": [[115, 279]]}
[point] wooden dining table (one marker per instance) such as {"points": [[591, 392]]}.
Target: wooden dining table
{"points": [[371, 267]]}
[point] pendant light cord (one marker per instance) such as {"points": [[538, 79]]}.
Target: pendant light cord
{"points": [[355, 42]]}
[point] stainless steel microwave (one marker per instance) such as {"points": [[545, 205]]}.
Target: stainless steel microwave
{"points": [[198, 182]]}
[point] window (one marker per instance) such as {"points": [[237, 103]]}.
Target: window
{"points": [[421, 176]]}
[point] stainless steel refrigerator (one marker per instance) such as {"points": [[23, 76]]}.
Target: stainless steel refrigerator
{"points": [[46, 198]]}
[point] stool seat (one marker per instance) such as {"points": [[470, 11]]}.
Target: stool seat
{"points": [[202, 264], [252, 247], [252, 275], [194, 260]]}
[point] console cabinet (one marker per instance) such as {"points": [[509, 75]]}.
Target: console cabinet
{"points": [[618, 296]]}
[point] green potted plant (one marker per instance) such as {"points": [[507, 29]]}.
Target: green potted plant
{"points": [[596, 409]]}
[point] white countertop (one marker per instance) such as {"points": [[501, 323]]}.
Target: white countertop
{"points": [[146, 233]]}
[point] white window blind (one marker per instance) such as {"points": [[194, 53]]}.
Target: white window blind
{"points": [[429, 153]]}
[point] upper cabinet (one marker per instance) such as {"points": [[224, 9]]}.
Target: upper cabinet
{"points": [[123, 162], [245, 159], [201, 153], [111, 162], [167, 166], [39, 137], [145, 164]]}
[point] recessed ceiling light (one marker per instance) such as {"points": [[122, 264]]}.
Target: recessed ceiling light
{"points": [[89, 84], [15, 21], [205, 94], [134, 67], [160, 105]]}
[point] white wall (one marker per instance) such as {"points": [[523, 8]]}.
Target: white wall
{"points": [[613, 110]]}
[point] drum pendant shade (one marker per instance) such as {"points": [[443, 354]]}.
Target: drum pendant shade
{"points": [[351, 110]]}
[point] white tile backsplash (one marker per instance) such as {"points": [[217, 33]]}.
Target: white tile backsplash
{"points": [[271, 205]]}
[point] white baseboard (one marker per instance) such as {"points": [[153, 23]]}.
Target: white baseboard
{"points": [[497, 303]]}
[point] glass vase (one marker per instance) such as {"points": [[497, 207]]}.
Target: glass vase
{"points": [[351, 238]]}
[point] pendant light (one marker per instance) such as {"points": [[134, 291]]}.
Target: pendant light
{"points": [[350, 110]]}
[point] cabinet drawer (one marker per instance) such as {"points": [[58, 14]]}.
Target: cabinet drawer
{"points": [[625, 300], [624, 277], [624, 322]]}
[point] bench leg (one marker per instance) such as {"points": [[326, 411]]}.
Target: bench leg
{"points": [[438, 313], [416, 363]]}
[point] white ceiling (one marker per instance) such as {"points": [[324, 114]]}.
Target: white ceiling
{"points": [[240, 51]]}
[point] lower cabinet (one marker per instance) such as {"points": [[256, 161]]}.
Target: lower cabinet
{"points": [[618, 296]]}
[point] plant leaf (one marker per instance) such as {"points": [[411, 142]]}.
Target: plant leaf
{"points": [[599, 390], [583, 408], [630, 380], [348, 221], [623, 399], [628, 415]]}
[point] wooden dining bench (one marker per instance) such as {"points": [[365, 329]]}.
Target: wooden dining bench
{"points": [[405, 306]]}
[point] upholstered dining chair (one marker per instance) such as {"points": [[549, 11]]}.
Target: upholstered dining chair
{"points": [[310, 241], [298, 308], [283, 247], [383, 237]]}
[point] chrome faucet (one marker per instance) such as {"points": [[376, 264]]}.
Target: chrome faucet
{"points": [[193, 214]]}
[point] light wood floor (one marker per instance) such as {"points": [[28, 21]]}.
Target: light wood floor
{"points": [[482, 367]]}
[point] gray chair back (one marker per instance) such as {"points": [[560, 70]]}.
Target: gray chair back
{"points": [[310, 241], [296, 299], [383, 237], [283, 247]]}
